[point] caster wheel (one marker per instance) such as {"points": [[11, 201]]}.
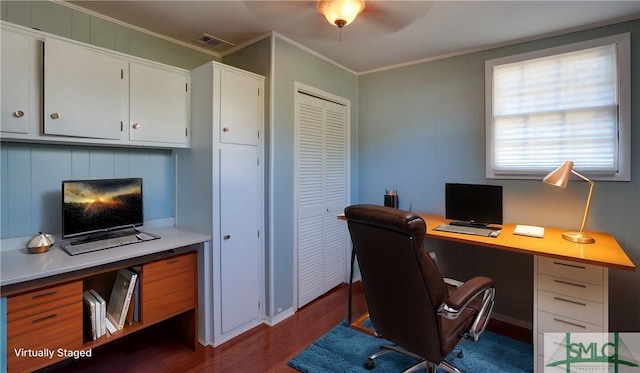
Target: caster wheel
{"points": [[460, 355], [370, 364]]}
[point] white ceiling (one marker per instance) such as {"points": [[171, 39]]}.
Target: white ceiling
{"points": [[386, 33]]}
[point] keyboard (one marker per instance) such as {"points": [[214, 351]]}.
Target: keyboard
{"points": [[486, 232], [108, 243]]}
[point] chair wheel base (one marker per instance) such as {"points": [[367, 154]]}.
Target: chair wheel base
{"points": [[370, 364], [460, 355]]}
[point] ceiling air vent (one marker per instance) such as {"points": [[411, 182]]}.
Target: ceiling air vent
{"points": [[213, 42]]}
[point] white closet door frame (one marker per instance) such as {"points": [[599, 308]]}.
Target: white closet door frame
{"points": [[309, 90]]}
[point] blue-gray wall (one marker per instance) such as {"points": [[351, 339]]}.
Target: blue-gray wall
{"points": [[31, 175], [421, 126], [69, 23], [295, 64]]}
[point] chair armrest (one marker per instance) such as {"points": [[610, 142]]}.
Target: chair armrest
{"points": [[469, 290], [464, 295], [452, 282]]}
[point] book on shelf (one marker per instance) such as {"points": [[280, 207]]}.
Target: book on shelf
{"points": [[90, 305], [121, 297], [102, 314], [133, 314]]}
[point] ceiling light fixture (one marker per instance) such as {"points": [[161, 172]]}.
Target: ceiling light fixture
{"points": [[340, 12]]}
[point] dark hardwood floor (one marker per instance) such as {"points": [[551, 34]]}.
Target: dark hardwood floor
{"points": [[262, 349]]}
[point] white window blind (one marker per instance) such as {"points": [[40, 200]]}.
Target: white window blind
{"points": [[558, 107]]}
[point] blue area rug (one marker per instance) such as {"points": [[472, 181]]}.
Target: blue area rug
{"points": [[344, 349]]}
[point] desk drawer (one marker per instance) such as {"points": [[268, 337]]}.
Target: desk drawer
{"points": [[43, 300], [168, 288], [552, 323], [169, 267], [571, 270], [574, 308], [60, 327], [577, 289]]}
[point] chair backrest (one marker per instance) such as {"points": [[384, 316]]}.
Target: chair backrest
{"points": [[402, 284]]}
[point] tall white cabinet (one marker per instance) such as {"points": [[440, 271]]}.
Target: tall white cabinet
{"points": [[220, 191]]}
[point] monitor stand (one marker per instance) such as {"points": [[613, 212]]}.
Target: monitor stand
{"points": [[104, 236], [469, 224]]}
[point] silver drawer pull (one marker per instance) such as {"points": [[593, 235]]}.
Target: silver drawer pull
{"points": [[570, 323], [18, 114], [55, 116], [570, 283], [227, 237], [226, 129], [570, 301], [570, 265]]}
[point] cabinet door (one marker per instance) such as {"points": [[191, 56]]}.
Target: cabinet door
{"points": [[240, 106], [239, 242], [159, 102], [20, 82], [84, 90]]}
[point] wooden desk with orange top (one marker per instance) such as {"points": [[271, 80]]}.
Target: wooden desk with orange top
{"points": [[605, 252], [571, 280]]}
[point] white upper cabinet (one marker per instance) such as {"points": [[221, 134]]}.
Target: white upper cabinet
{"points": [[240, 105], [57, 90], [159, 104], [84, 90], [20, 83]]}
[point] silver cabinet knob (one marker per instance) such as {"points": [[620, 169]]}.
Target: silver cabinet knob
{"points": [[18, 114], [227, 236], [226, 129], [55, 116], [136, 126]]}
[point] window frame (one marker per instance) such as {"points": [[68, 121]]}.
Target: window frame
{"points": [[623, 42]]}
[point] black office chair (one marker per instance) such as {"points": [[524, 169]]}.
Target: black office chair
{"points": [[408, 300]]}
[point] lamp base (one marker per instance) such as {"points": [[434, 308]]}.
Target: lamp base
{"points": [[578, 237]]}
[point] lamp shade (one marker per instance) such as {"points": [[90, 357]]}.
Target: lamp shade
{"points": [[340, 12], [560, 176]]}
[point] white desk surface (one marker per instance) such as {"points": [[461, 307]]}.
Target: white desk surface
{"points": [[19, 265]]}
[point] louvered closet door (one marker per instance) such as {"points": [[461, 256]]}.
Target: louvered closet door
{"points": [[321, 195]]}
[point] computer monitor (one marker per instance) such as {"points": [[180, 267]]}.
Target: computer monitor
{"points": [[473, 204], [100, 206]]}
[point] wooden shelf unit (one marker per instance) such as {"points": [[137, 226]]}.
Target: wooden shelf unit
{"points": [[48, 315]]}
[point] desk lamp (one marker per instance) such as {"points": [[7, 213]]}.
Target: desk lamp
{"points": [[559, 177]]}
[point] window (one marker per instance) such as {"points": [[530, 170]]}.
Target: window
{"points": [[566, 103]]}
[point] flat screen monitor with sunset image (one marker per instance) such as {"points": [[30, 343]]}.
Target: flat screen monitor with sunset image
{"points": [[94, 208]]}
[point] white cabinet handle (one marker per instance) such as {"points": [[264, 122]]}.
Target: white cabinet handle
{"points": [[55, 116], [136, 126], [226, 129], [18, 114]]}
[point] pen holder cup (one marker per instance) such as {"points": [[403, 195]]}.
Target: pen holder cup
{"points": [[391, 199]]}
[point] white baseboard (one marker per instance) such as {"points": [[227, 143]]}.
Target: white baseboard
{"points": [[271, 321]]}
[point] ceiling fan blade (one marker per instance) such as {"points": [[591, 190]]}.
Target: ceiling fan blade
{"points": [[391, 16]]}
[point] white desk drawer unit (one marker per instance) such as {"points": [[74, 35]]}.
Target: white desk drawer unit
{"points": [[571, 297]]}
